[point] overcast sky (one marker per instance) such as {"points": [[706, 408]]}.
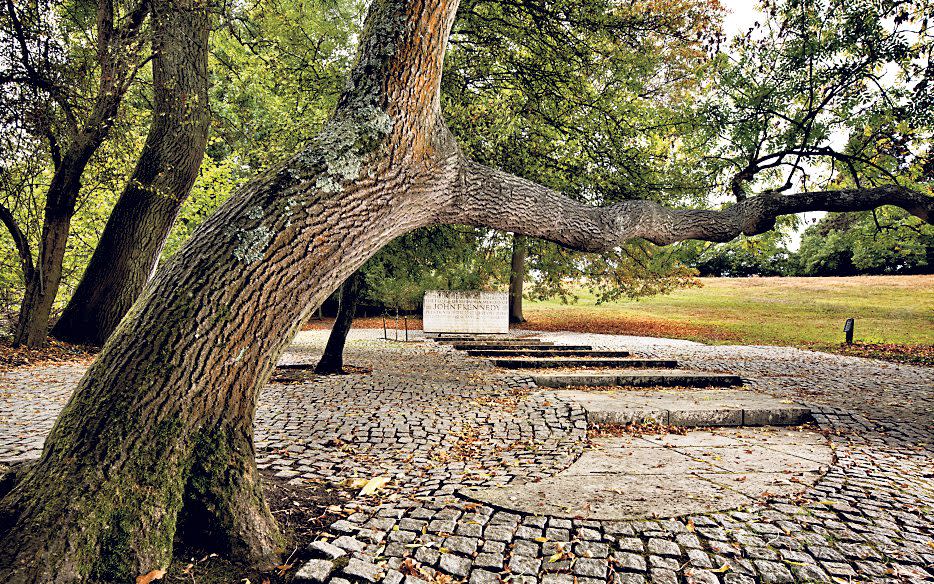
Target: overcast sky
{"points": [[741, 14]]}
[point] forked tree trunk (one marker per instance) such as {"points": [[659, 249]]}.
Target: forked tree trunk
{"points": [[136, 231], [332, 361], [517, 278], [158, 435], [43, 282], [116, 51]]}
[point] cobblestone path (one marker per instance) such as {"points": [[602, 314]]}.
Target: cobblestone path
{"points": [[435, 421]]}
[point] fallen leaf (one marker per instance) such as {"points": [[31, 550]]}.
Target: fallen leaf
{"points": [[283, 568], [150, 577], [373, 485], [722, 569]]}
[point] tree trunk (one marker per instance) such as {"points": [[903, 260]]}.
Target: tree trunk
{"points": [[332, 361], [136, 231], [158, 434], [517, 278], [115, 52], [42, 283]]}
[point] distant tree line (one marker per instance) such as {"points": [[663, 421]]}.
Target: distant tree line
{"points": [[887, 242]]}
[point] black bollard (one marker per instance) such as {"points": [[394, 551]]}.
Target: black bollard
{"points": [[848, 329]]}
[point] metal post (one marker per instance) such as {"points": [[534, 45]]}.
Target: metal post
{"points": [[385, 335], [397, 325], [406, 321], [848, 329]]}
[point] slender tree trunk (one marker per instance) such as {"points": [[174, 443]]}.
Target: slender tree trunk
{"points": [[517, 278], [332, 361], [137, 228], [42, 283], [157, 438]]}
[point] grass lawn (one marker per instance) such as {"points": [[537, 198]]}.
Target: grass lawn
{"points": [[897, 310]]}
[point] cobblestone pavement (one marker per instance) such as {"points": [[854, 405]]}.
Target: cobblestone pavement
{"points": [[435, 421]]}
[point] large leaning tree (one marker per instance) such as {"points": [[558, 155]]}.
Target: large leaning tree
{"points": [[157, 440]]}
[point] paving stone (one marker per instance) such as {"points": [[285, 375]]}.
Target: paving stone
{"points": [[323, 549], [629, 561], [738, 579], [454, 564], [488, 560], [362, 570], [427, 556], [590, 549], [524, 565], [694, 576], [631, 544], [664, 562], [663, 576], [314, 571], [773, 572], [349, 544], [810, 573], [839, 569], [483, 577], [590, 567], [663, 547], [461, 545]]}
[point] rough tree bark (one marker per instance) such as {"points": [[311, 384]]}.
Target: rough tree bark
{"points": [[116, 70], [332, 361], [136, 231], [517, 278], [160, 428]]}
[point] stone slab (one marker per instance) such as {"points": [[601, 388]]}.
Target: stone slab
{"points": [[688, 408], [649, 378], [471, 311], [518, 345], [637, 477], [555, 351], [604, 363]]}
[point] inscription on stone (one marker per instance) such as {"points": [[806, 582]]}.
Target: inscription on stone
{"points": [[448, 311]]}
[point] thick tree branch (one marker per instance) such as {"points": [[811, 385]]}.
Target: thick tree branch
{"points": [[19, 239], [497, 199]]}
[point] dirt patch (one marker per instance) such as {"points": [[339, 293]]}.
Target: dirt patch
{"points": [[625, 326], [300, 373], [303, 512], [906, 354], [56, 353]]}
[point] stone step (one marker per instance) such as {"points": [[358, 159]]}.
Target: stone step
{"points": [[693, 408], [645, 378], [555, 351], [468, 338], [500, 345], [604, 363]]}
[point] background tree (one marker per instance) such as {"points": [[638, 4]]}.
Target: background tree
{"points": [[332, 360], [65, 90], [824, 93], [136, 231], [533, 87], [884, 242]]}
